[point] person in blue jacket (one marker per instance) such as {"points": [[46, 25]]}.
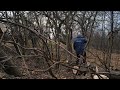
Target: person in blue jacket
{"points": [[79, 46]]}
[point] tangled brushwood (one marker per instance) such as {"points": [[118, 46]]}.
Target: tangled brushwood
{"points": [[39, 45]]}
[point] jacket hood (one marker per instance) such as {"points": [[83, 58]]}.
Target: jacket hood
{"points": [[79, 36]]}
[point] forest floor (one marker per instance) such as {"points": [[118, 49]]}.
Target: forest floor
{"points": [[64, 72], [35, 65]]}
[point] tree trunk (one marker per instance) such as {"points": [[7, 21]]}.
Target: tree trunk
{"points": [[58, 48], [110, 45]]}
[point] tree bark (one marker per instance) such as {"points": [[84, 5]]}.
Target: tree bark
{"points": [[110, 45]]}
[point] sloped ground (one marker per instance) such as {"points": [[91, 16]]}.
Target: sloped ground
{"points": [[115, 60], [35, 64]]}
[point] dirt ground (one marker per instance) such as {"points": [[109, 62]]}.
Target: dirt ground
{"points": [[115, 58], [36, 64]]}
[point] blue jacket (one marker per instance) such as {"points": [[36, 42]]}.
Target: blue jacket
{"points": [[79, 44]]}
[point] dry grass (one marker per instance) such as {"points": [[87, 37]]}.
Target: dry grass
{"points": [[115, 58]]}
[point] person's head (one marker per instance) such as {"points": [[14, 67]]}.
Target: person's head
{"points": [[80, 36]]}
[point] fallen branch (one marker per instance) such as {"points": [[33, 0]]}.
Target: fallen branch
{"points": [[46, 69]]}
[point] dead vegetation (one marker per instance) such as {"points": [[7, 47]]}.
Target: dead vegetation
{"points": [[38, 45]]}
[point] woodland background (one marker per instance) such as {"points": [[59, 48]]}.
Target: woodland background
{"points": [[39, 44]]}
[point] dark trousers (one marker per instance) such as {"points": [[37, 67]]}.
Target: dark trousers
{"points": [[84, 58]]}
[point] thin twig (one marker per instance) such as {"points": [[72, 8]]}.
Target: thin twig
{"points": [[6, 59], [47, 68]]}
